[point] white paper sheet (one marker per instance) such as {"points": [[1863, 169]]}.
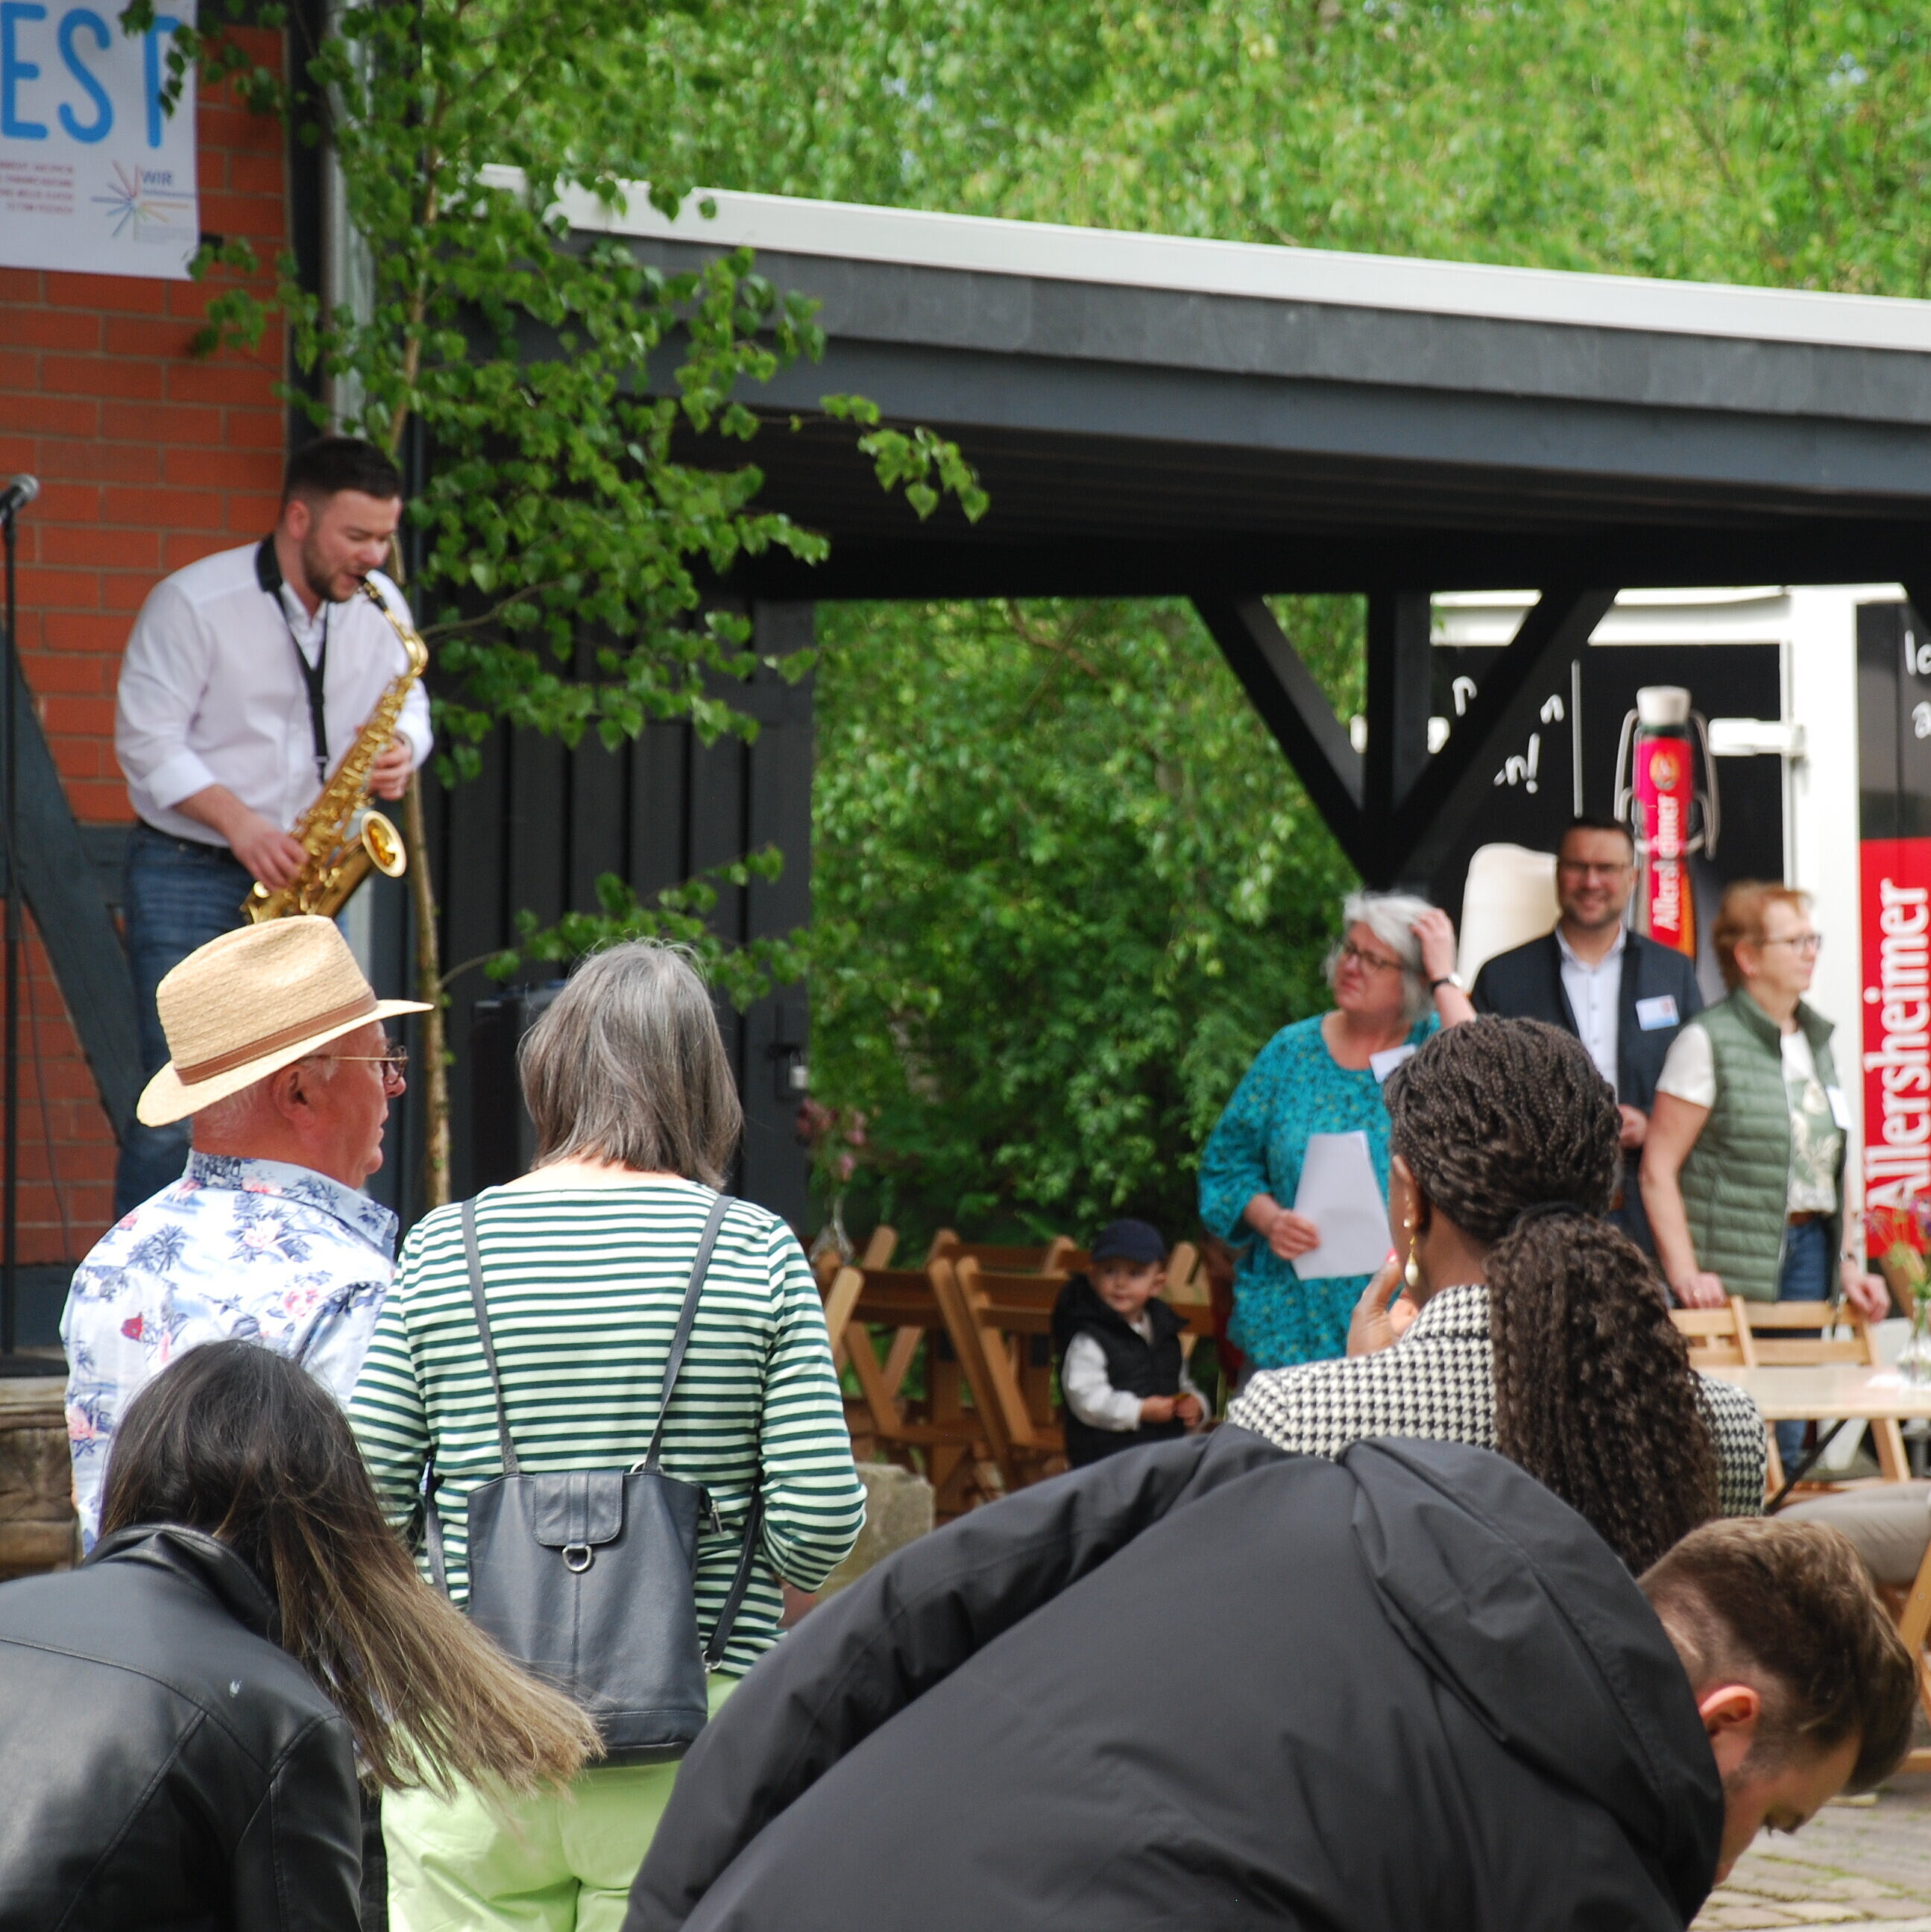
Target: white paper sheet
{"points": [[1339, 1193]]}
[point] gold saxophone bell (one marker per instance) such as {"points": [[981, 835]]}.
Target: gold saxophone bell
{"points": [[383, 844], [342, 834]]}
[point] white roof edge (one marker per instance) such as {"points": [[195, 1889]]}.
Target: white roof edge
{"points": [[915, 238]]}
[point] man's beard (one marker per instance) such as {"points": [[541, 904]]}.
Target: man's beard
{"points": [[320, 580]]}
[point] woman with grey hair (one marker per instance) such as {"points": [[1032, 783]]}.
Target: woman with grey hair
{"points": [[584, 1263], [1393, 973]]}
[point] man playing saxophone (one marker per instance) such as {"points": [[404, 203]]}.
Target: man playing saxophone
{"points": [[248, 676]]}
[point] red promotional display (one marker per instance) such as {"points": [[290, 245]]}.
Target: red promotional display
{"points": [[1657, 797], [1896, 921]]}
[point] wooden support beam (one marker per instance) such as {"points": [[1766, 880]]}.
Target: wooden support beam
{"points": [[1446, 795], [1396, 812], [1400, 675], [63, 894], [1295, 709]]}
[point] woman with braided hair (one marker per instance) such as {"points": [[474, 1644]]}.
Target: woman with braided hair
{"points": [[1541, 1331]]}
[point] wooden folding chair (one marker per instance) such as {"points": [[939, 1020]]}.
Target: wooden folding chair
{"points": [[1718, 1337], [1001, 1324], [880, 1246], [1050, 1259], [1721, 1338], [952, 1440], [1765, 1321]]}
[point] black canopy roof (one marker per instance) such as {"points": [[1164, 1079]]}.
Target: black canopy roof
{"points": [[1155, 416]]}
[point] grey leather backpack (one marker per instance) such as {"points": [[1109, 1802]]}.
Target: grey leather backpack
{"points": [[585, 1577]]}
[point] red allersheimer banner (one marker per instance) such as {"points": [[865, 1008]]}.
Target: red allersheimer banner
{"points": [[1665, 788], [1896, 923]]}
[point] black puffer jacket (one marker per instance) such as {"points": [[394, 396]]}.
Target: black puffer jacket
{"points": [[163, 1763], [1214, 1688]]}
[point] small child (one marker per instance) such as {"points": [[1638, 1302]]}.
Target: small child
{"points": [[1121, 1370]]}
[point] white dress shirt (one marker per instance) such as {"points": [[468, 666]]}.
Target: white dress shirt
{"points": [[210, 692], [1596, 998]]}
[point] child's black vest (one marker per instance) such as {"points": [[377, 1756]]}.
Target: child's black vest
{"points": [[1139, 1368]]}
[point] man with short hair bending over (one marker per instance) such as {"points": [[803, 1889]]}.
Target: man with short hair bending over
{"points": [[1212, 1685]]}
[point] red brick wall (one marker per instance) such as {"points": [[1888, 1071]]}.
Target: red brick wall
{"points": [[148, 460]]}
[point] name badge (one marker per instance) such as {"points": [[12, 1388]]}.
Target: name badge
{"points": [[1840, 1109], [1382, 1064], [1659, 1012]]}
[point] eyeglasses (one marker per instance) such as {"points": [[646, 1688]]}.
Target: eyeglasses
{"points": [[1372, 961], [1810, 942], [1592, 868], [394, 1062]]}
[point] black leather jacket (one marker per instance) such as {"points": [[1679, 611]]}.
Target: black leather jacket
{"points": [[163, 1762]]}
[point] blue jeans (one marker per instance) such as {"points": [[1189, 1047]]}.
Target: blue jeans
{"points": [[177, 894], [1806, 1277]]}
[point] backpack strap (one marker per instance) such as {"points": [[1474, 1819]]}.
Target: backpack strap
{"points": [[432, 1530], [733, 1601], [686, 1316], [511, 1467]]}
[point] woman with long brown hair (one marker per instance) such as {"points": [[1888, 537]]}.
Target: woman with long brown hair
{"points": [[181, 1719], [1542, 1332]]}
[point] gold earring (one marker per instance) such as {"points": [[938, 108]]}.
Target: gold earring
{"points": [[1411, 1274]]}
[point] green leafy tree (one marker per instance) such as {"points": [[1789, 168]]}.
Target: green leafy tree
{"points": [[1062, 895], [1753, 141], [963, 1007], [513, 356]]}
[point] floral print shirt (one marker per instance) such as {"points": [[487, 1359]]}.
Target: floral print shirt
{"points": [[253, 1250]]}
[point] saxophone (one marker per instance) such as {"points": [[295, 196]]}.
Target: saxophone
{"points": [[343, 835]]}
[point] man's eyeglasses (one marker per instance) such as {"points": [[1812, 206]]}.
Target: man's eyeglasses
{"points": [[1372, 961], [394, 1062], [1594, 868], [1810, 942]]}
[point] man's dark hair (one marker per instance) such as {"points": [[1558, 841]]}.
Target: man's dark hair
{"points": [[1596, 821], [1789, 1609], [332, 464]]}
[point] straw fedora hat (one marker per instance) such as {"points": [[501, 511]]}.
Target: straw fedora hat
{"points": [[243, 1005]]}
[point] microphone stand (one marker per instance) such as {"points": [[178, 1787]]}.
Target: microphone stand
{"points": [[10, 1093], [22, 490]]}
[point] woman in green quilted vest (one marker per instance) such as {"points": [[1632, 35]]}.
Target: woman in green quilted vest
{"points": [[1744, 1165]]}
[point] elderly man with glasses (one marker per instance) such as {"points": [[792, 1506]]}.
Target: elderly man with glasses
{"points": [[1623, 996], [282, 1065]]}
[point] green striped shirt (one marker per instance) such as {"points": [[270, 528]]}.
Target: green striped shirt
{"points": [[583, 1286]]}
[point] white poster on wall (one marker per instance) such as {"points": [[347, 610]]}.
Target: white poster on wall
{"points": [[95, 177]]}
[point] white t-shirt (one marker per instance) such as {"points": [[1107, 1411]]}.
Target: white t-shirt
{"points": [[1689, 1072]]}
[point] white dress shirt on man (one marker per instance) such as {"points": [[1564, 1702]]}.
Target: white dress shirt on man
{"points": [[1596, 998], [211, 693]]}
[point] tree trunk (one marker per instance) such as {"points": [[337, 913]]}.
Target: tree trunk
{"points": [[435, 1062]]}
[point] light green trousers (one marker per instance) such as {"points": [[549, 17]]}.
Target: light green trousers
{"points": [[560, 1863]]}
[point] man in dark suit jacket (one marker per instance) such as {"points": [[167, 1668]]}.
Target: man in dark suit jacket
{"points": [[1623, 996]]}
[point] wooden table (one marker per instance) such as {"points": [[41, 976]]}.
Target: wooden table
{"points": [[1834, 1393]]}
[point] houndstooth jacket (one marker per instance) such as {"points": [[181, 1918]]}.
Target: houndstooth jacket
{"points": [[1438, 1382]]}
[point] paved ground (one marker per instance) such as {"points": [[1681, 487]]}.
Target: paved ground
{"points": [[1855, 1864]]}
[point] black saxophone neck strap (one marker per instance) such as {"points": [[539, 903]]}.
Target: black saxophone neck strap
{"points": [[314, 676]]}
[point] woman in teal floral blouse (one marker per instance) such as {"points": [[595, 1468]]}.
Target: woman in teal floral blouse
{"points": [[1393, 977]]}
